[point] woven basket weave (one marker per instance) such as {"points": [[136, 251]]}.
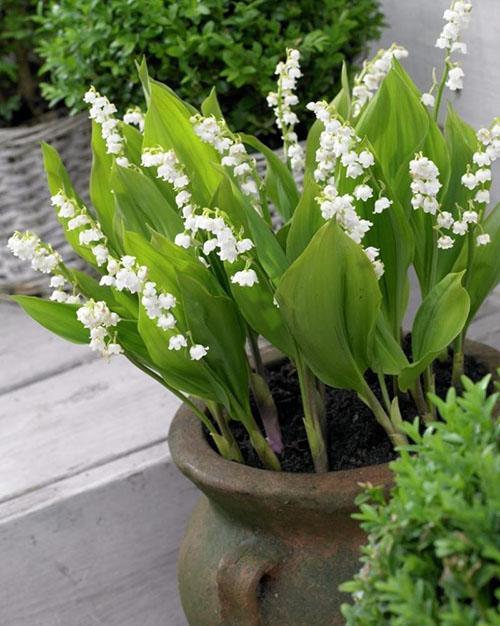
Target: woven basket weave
{"points": [[25, 199], [24, 195]]}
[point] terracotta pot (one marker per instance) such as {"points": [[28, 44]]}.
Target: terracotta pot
{"points": [[266, 548]]}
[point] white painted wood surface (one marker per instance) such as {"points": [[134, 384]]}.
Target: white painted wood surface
{"points": [[91, 508]]}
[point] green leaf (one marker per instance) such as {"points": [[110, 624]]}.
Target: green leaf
{"points": [[210, 106], [307, 219], [388, 356], [439, 319], [167, 125], [462, 143], [214, 321], [257, 306], [142, 204], [279, 183], [58, 179], [57, 317], [485, 271], [100, 189], [331, 301]]}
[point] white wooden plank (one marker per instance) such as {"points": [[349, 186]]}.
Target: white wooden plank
{"points": [[87, 416], [102, 551], [29, 352]]}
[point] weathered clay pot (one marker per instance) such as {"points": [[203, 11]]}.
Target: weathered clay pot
{"points": [[266, 548]]}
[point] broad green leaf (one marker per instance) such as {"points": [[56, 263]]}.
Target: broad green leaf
{"points": [[257, 306], [167, 125], [388, 356], [485, 272], [307, 219], [331, 301], [462, 142], [100, 189], [439, 319], [142, 205], [58, 179], [396, 125], [279, 183], [57, 317], [185, 262], [342, 101], [176, 367], [210, 106], [142, 71], [214, 321], [270, 254]]}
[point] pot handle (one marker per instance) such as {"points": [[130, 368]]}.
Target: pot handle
{"points": [[238, 576]]}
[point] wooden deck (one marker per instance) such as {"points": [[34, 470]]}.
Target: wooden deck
{"points": [[91, 508]]}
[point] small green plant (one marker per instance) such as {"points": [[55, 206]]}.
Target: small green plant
{"points": [[19, 95], [433, 552], [193, 46]]}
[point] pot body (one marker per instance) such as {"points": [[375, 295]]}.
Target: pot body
{"points": [[265, 548], [268, 548]]}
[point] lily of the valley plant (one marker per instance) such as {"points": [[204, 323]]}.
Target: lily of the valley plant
{"points": [[192, 267]]}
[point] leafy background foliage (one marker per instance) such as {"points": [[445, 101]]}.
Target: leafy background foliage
{"points": [[19, 92], [194, 45], [433, 555]]}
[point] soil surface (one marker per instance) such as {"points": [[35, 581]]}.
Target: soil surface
{"points": [[354, 438]]}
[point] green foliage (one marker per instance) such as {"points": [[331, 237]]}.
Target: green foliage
{"points": [[18, 64], [194, 46], [433, 551]]}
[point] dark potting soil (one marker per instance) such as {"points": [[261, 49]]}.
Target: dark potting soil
{"points": [[354, 438]]}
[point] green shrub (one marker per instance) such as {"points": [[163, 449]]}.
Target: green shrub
{"points": [[433, 554], [195, 45], [19, 96]]}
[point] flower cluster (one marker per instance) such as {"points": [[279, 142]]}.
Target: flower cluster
{"points": [[339, 144], [97, 317], [233, 153], [125, 274], [159, 307], [457, 19], [171, 171], [102, 112], [368, 81], [425, 188], [282, 102], [135, 117], [28, 247], [76, 217]]}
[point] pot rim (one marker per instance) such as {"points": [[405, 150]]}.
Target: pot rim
{"points": [[197, 460]]}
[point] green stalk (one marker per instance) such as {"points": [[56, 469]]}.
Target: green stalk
{"points": [[263, 396], [313, 419], [226, 438], [442, 84], [385, 392], [258, 441], [418, 397], [430, 387], [370, 399], [458, 347]]}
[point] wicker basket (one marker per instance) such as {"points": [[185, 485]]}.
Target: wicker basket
{"points": [[24, 195]]}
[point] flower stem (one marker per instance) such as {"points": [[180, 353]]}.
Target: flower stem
{"points": [[225, 440], [385, 392], [313, 418], [370, 399], [258, 441], [441, 87], [419, 399], [458, 346]]}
